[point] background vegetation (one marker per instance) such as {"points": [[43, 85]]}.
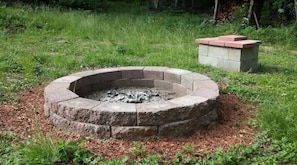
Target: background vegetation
{"points": [[273, 12], [42, 43]]}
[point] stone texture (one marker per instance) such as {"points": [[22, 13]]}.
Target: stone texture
{"points": [[99, 131], [180, 89], [192, 106], [208, 60], [116, 114], [188, 79], [203, 50], [177, 109], [207, 93], [155, 73], [166, 85], [134, 132], [99, 86], [132, 72], [205, 84], [241, 44], [250, 53], [178, 129], [126, 82], [205, 40], [233, 38], [218, 52], [220, 43], [174, 75], [187, 127], [68, 110], [77, 109], [156, 113], [143, 83], [52, 97]]}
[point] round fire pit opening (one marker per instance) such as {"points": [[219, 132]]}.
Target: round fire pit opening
{"points": [[192, 106]]}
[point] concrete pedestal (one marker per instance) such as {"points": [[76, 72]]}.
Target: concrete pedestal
{"points": [[233, 53]]}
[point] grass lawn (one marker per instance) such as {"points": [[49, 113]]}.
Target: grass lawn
{"points": [[41, 44]]}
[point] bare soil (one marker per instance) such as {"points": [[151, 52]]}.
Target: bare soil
{"points": [[25, 117]]}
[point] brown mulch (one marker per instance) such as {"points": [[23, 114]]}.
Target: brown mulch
{"points": [[25, 117]]}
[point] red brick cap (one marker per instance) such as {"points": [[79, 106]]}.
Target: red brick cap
{"points": [[233, 41]]}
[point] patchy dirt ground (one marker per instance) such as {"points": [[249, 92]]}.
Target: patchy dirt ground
{"points": [[25, 116]]}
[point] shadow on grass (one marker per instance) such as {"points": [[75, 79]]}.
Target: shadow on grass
{"points": [[263, 68]]}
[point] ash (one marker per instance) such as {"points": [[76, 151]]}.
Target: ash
{"points": [[132, 95]]}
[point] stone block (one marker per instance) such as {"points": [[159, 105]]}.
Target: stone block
{"points": [[122, 83], [78, 109], [205, 40], [206, 119], [232, 38], [207, 60], [84, 73], [205, 84], [99, 131], [241, 44], [207, 93], [165, 85], [134, 132], [203, 50], [178, 129], [254, 64], [156, 73], [132, 72], [187, 79], [219, 43], [250, 53], [249, 65], [234, 54], [51, 97], [158, 113], [86, 81], [218, 52], [59, 121], [180, 89], [222, 63], [101, 86], [115, 114], [232, 65], [174, 75], [83, 90], [143, 83], [67, 79], [188, 127], [191, 106]]}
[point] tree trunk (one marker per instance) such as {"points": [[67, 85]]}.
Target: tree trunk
{"points": [[215, 13], [296, 9], [154, 4], [255, 11], [251, 10]]}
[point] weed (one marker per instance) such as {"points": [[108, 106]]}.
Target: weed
{"points": [[137, 150], [73, 151]]}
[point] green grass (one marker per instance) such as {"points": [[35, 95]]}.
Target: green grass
{"points": [[40, 44]]}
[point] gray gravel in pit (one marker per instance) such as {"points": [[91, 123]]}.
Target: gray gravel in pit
{"points": [[132, 95]]}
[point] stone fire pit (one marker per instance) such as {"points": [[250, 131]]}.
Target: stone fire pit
{"points": [[194, 106]]}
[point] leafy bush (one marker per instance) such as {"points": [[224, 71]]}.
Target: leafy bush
{"points": [[95, 5], [12, 20], [73, 152]]}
